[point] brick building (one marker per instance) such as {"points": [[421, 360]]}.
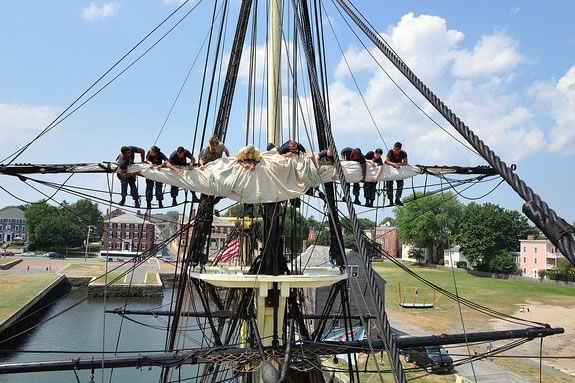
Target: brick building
{"points": [[222, 227], [536, 255], [386, 236], [126, 235], [12, 225]]}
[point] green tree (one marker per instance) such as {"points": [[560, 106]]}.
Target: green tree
{"points": [[173, 215], [503, 263], [35, 214], [488, 229], [386, 220], [85, 213], [58, 231], [416, 253], [428, 221], [563, 266]]}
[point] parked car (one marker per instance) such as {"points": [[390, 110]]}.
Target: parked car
{"points": [[8, 253], [431, 358], [54, 255], [28, 254]]}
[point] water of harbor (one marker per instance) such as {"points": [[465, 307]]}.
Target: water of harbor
{"points": [[80, 329]]}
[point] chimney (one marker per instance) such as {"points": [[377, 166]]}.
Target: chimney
{"points": [[531, 236]]}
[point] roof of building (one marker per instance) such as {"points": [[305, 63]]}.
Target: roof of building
{"points": [[12, 212], [316, 256], [129, 218]]}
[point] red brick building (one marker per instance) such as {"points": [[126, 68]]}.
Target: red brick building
{"points": [[386, 236], [126, 235]]}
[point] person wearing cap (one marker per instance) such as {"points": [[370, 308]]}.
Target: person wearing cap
{"points": [[155, 158], [213, 151], [396, 158], [356, 155], [125, 159], [248, 157], [180, 158], [369, 188]]}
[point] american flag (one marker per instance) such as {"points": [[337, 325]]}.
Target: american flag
{"points": [[231, 252]]}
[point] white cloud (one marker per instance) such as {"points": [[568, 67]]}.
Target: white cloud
{"points": [[18, 123], [494, 54], [558, 99], [94, 12], [481, 95]]}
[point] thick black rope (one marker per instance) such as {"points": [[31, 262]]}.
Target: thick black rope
{"points": [[325, 124], [557, 230]]}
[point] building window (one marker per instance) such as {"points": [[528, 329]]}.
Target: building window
{"points": [[524, 249], [135, 235], [535, 260], [109, 245], [524, 259], [552, 250], [535, 273], [23, 227], [535, 249], [117, 245], [118, 234], [127, 235], [17, 228], [446, 262], [144, 235], [8, 227], [143, 246], [524, 271], [1, 227]]}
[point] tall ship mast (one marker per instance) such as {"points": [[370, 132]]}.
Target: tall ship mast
{"points": [[269, 313]]}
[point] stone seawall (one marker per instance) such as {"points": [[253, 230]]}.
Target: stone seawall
{"points": [[96, 289], [8, 265]]}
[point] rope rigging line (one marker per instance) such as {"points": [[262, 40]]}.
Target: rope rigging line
{"points": [[396, 84], [69, 111], [555, 228], [325, 127]]}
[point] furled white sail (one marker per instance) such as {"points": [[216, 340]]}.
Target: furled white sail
{"points": [[275, 178]]}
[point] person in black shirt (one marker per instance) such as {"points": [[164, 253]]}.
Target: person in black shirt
{"points": [[369, 188], [325, 157], [396, 158], [155, 158], [355, 154], [290, 148], [125, 159], [180, 158]]}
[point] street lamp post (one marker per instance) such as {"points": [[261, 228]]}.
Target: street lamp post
{"points": [[90, 227]]}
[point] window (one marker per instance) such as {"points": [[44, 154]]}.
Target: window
{"points": [[117, 245], [23, 237], [535, 273], [552, 250], [127, 235], [354, 271], [143, 246], [1, 227], [524, 271], [446, 262], [524, 249], [8, 227], [23, 227], [144, 235], [17, 228], [135, 235], [535, 249], [524, 259], [535, 260], [109, 245]]}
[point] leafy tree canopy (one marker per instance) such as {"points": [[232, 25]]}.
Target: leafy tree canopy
{"points": [[428, 221], [488, 229]]}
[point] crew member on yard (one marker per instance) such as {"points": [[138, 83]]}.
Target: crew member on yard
{"points": [[125, 159], [290, 148], [213, 151], [396, 158], [369, 188], [155, 158], [248, 157], [356, 155], [325, 157], [180, 158]]}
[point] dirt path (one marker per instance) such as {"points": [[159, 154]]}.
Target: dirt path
{"points": [[555, 346]]}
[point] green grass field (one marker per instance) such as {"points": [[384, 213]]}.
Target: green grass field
{"points": [[502, 295], [19, 289], [505, 296], [151, 278]]}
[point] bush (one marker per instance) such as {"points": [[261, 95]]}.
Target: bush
{"points": [[441, 262], [461, 265], [503, 263]]}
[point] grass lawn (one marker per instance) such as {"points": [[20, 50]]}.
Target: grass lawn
{"points": [[19, 289], [86, 270], [112, 276], [151, 278], [6, 260], [502, 295]]}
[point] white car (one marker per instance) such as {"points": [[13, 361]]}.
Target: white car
{"points": [[28, 254]]}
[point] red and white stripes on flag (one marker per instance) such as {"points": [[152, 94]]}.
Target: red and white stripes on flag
{"points": [[231, 252]]}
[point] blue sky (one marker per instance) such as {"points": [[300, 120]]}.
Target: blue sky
{"points": [[507, 68]]}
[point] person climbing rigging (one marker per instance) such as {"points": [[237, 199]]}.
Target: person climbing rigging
{"points": [[125, 159], [248, 157], [369, 188], [396, 158], [356, 155], [155, 158], [180, 158], [213, 151]]}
